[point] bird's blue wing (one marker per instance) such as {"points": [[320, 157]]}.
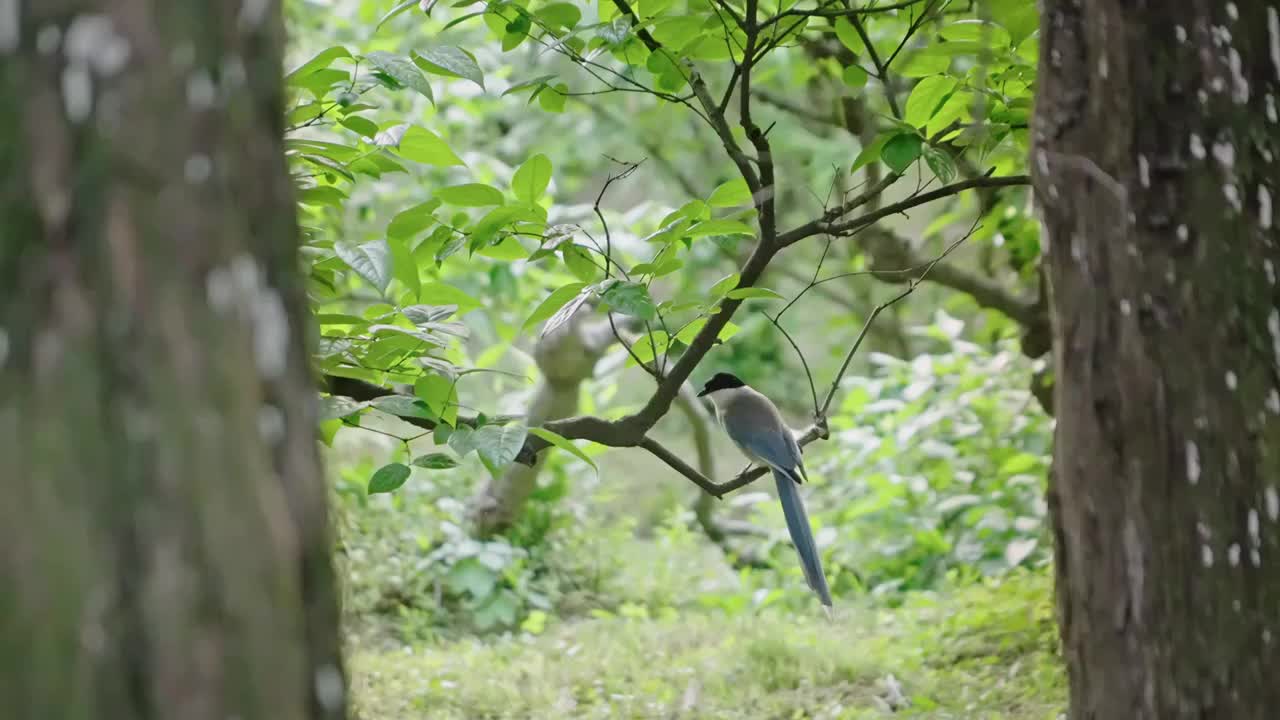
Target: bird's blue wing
{"points": [[771, 442]]}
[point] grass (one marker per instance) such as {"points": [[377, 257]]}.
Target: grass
{"points": [[982, 652]]}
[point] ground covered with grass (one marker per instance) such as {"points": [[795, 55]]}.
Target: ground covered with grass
{"points": [[982, 651]]}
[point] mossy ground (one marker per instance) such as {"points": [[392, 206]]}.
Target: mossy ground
{"points": [[981, 652]]}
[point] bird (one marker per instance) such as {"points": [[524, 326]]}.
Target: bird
{"points": [[756, 427]]}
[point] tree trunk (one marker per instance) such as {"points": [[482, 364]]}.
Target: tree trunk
{"points": [[164, 543], [1155, 149]]}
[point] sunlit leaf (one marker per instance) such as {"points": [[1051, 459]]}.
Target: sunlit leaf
{"points": [[438, 293], [854, 76], [470, 195], [730, 194], [753, 292], [720, 227], [554, 302], [553, 96], [724, 285], [531, 178], [422, 145], [412, 221], [322, 59], [848, 36], [564, 444], [399, 8], [925, 99]]}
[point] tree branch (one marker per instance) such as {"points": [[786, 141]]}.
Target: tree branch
{"points": [[713, 112], [825, 225]]}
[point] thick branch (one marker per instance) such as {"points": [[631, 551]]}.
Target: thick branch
{"points": [[892, 250], [822, 225]]}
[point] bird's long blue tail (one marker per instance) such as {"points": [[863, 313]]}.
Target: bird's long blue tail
{"points": [[802, 535]]}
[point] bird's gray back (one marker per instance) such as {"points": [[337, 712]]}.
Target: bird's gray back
{"points": [[752, 422]]}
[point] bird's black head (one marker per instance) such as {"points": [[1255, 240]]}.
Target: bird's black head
{"points": [[721, 381]]}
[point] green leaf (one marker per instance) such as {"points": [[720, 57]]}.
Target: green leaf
{"points": [[854, 76], [870, 152], [426, 314], [564, 444], [988, 34], [462, 440], [329, 165], [724, 285], [560, 15], [388, 478], [647, 347], [730, 194], [322, 195], [631, 298], [531, 84], [925, 99], [500, 444], [940, 163], [690, 331], [470, 195], [362, 126], [404, 267], [371, 261], [921, 64], [322, 59], [848, 36], [440, 395], [394, 12], [566, 312], [438, 293], [1018, 464], [531, 178], [403, 406], [471, 577], [412, 221], [720, 227], [957, 107], [553, 96], [552, 303], [901, 151], [450, 61], [435, 461], [753, 292], [422, 145], [333, 407], [404, 71], [579, 262]]}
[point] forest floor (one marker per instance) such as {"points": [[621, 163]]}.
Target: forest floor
{"points": [[982, 652]]}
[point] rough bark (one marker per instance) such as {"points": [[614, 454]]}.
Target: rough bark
{"points": [[1155, 156], [164, 543]]}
